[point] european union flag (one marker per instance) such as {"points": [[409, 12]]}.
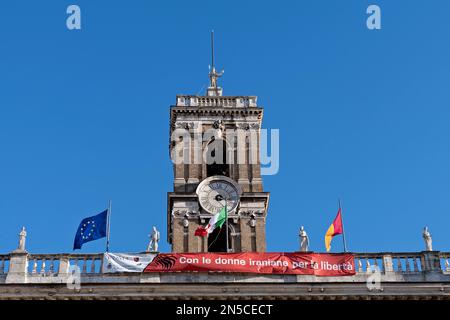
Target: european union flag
{"points": [[90, 229]]}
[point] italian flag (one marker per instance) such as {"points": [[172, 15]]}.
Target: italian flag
{"points": [[215, 222]]}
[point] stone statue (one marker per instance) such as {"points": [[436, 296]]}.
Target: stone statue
{"points": [[428, 241], [154, 239], [22, 238], [304, 240], [213, 76]]}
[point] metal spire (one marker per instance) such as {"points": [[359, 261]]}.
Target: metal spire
{"points": [[213, 74], [212, 49]]}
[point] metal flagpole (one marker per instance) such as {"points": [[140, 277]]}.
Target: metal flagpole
{"points": [[108, 225], [343, 230], [212, 50], [226, 212], [220, 198], [226, 220]]}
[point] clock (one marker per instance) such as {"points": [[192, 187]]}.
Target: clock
{"points": [[217, 191]]}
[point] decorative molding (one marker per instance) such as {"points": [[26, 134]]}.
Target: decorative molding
{"points": [[184, 213], [247, 125], [250, 212], [185, 125], [257, 112]]}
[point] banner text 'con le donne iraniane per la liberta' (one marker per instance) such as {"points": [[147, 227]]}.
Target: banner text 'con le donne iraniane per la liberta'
{"points": [[318, 264]]}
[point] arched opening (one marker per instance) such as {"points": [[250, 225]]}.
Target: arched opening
{"points": [[217, 240], [216, 158]]}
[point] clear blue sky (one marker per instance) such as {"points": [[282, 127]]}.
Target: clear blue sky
{"points": [[363, 115]]}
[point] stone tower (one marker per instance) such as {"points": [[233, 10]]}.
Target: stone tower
{"points": [[215, 142]]}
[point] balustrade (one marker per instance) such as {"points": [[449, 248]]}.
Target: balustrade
{"points": [[218, 101], [4, 264], [388, 262], [52, 264], [445, 259]]}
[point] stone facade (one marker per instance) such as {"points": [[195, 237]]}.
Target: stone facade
{"points": [[241, 117], [413, 275]]}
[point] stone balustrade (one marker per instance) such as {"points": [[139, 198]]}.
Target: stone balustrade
{"points": [[55, 264], [217, 101], [389, 262], [22, 267], [4, 264], [445, 262]]}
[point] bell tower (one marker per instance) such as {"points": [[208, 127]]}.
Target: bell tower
{"points": [[214, 144]]}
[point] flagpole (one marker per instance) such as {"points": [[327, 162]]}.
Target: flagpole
{"points": [[226, 212], [108, 225], [227, 229], [343, 230]]}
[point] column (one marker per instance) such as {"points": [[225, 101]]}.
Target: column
{"points": [[256, 182], [260, 232], [177, 236], [243, 160], [195, 165], [193, 243], [246, 234]]}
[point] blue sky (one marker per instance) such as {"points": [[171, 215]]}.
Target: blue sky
{"points": [[363, 115]]}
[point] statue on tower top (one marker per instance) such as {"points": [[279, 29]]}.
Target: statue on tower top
{"points": [[213, 76]]}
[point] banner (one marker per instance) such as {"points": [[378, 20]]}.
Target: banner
{"points": [[319, 264], [126, 262]]}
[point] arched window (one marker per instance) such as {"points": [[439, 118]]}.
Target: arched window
{"points": [[216, 158], [217, 240]]}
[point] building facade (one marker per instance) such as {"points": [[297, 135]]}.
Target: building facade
{"points": [[214, 145], [379, 276]]}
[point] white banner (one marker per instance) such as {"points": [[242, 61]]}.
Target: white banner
{"points": [[126, 262]]}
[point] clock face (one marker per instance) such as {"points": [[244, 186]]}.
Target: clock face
{"points": [[216, 192]]}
